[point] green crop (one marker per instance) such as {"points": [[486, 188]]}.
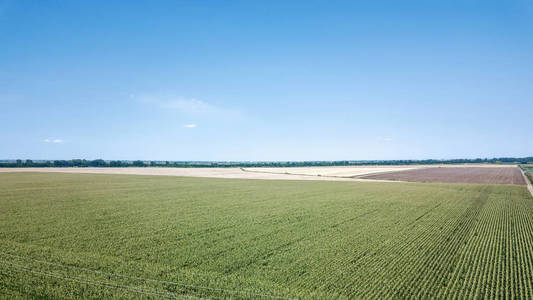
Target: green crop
{"points": [[529, 176], [125, 236]]}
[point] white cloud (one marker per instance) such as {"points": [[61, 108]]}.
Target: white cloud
{"points": [[188, 106], [55, 141], [185, 105], [190, 126], [385, 139]]}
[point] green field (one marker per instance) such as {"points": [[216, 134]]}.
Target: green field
{"points": [[125, 236], [528, 170], [527, 167]]}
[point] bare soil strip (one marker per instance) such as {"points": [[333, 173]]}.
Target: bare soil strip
{"points": [[495, 175]]}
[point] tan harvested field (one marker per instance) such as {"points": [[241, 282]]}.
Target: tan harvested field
{"points": [[257, 173], [342, 173], [357, 171], [332, 171], [501, 175]]}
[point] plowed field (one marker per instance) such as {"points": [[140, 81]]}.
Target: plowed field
{"points": [[504, 175]]}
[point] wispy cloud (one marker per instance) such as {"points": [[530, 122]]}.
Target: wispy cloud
{"points": [[190, 126], [385, 139], [188, 106], [185, 105], [55, 141]]}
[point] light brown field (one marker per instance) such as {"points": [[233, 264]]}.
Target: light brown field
{"points": [[188, 172], [342, 173], [356, 171], [311, 173], [456, 175]]}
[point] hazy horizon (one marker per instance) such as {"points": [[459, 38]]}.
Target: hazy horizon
{"points": [[268, 161]]}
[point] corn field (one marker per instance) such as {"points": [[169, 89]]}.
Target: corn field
{"points": [[87, 236]]}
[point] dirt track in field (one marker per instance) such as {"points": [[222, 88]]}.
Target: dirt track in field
{"points": [[504, 175]]}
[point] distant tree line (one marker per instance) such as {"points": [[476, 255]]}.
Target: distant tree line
{"points": [[82, 163]]}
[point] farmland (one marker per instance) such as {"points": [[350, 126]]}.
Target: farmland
{"points": [[528, 172], [297, 173], [528, 168], [337, 173], [495, 175], [128, 236]]}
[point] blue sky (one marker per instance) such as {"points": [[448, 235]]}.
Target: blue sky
{"points": [[265, 80]]}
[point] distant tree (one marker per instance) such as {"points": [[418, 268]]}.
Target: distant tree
{"points": [[115, 163], [76, 163], [138, 163], [98, 163], [61, 163], [194, 164]]}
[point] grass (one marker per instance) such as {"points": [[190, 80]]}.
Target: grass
{"points": [[529, 175], [122, 236], [528, 170], [527, 167]]}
